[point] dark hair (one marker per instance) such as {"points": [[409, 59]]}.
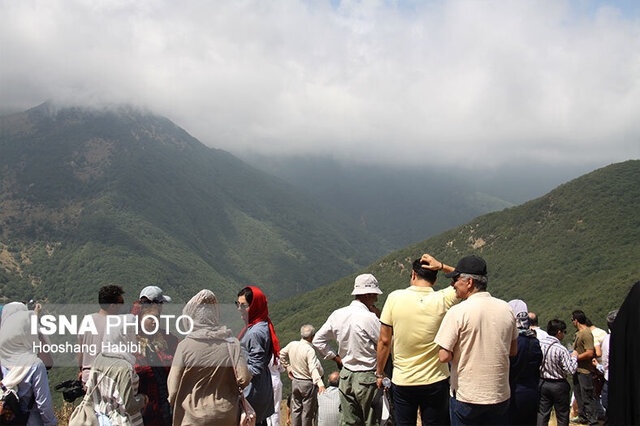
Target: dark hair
{"points": [[247, 293], [109, 295], [424, 273], [579, 316], [554, 326], [588, 323], [533, 319]]}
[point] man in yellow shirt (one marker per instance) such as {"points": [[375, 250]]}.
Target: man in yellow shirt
{"points": [[413, 316]]}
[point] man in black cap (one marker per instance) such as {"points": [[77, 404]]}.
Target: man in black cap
{"points": [[477, 336]]}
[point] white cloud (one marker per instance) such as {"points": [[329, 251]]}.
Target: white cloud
{"points": [[375, 80]]}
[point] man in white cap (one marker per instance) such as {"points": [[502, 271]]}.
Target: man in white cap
{"points": [[153, 294], [356, 329]]}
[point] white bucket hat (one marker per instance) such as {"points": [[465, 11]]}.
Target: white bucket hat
{"points": [[366, 284]]}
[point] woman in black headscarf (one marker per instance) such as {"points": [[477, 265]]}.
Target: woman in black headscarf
{"points": [[624, 368]]}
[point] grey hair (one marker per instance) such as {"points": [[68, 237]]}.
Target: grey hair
{"points": [[307, 331], [480, 281]]}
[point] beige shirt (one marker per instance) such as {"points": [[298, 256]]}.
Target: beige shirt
{"points": [[300, 359], [202, 386], [479, 332]]}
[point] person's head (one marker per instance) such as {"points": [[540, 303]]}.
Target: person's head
{"points": [[110, 299], [578, 317], [366, 289], [153, 295], [334, 379], [245, 297], [203, 310], [307, 332], [533, 319], [557, 328], [419, 273], [611, 317], [521, 312], [469, 276]]}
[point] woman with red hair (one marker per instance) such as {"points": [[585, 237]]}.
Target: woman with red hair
{"points": [[260, 344]]}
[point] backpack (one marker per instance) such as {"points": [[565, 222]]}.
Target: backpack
{"points": [[10, 411]]}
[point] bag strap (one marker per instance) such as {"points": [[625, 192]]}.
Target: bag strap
{"points": [[545, 357], [245, 403], [87, 395]]}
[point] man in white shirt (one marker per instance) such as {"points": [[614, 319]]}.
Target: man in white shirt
{"points": [[478, 336], [533, 325], [305, 372], [356, 329]]}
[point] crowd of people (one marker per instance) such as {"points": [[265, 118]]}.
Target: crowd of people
{"points": [[454, 356]]}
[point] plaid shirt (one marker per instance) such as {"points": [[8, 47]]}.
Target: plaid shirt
{"points": [[557, 361], [329, 407]]}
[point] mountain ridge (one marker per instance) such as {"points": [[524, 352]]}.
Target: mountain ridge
{"points": [[577, 247], [120, 196]]}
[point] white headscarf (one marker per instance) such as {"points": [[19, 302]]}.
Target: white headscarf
{"points": [[125, 334], [205, 314], [521, 311], [17, 351]]}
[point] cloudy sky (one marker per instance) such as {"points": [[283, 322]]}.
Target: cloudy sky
{"points": [[496, 81]]}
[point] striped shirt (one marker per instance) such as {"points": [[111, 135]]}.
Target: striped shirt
{"points": [[557, 361]]}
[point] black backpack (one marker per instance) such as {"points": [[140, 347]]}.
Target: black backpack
{"points": [[10, 412]]}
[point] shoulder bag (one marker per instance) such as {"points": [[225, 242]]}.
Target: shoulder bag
{"points": [[84, 414], [247, 413]]}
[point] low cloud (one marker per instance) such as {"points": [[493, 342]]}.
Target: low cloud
{"points": [[549, 81]]}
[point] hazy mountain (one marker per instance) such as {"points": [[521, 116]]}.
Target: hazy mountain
{"points": [[401, 205], [577, 247], [96, 196]]}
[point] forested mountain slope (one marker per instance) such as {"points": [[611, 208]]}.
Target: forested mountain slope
{"points": [[577, 247], [90, 197]]}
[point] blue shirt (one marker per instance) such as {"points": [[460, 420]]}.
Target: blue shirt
{"points": [[36, 383], [256, 345]]}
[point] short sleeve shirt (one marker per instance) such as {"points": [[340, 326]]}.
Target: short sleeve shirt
{"points": [[583, 343], [479, 332], [415, 315]]}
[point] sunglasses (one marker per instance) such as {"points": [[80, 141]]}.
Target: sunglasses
{"points": [[242, 305]]}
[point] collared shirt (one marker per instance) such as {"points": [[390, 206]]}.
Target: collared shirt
{"points": [[300, 358], [557, 361], [415, 314], [329, 407], [356, 329], [479, 332], [540, 333]]}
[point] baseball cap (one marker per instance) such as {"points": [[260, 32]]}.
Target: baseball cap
{"points": [[474, 265], [366, 284], [154, 293]]}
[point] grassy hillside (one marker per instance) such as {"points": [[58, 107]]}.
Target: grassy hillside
{"points": [[578, 247], [92, 197]]}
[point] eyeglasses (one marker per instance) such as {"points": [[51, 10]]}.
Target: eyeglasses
{"points": [[149, 302], [242, 305]]}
